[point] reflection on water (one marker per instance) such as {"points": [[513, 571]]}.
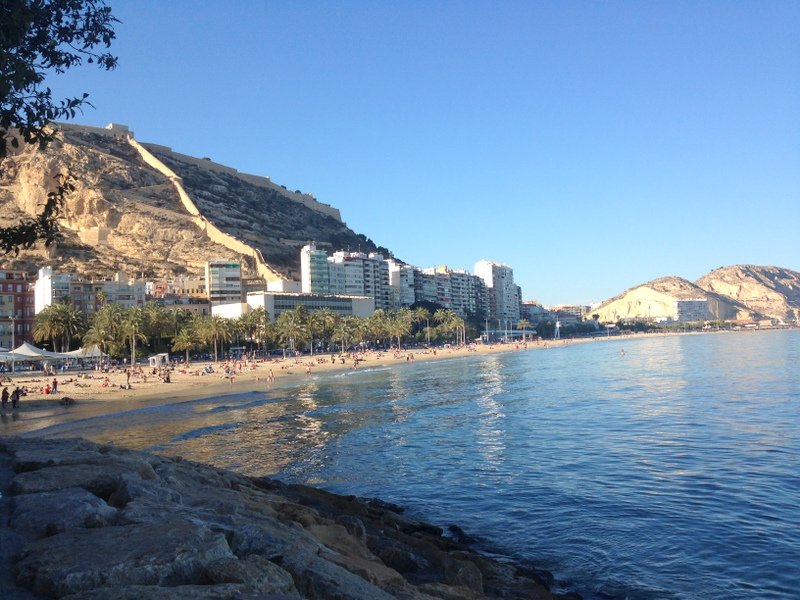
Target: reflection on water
{"points": [[668, 472]]}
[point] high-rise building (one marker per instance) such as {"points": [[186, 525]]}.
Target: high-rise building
{"points": [[467, 292], [504, 294], [401, 284], [223, 281], [314, 271], [346, 274]]}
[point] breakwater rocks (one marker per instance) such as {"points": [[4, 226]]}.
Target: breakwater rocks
{"points": [[85, 521]]}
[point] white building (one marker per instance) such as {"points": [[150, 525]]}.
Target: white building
{"points": [[504, 294], [275, 303], [401, 283], [84, 295], [346, 274], [691, 310]]}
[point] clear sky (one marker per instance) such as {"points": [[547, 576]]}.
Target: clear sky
{"points": [[592, 146]]}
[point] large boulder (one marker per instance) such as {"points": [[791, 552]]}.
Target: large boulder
{"points": [[33, 515], [174, 552]]}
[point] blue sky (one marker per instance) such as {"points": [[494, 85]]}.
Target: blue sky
{"points": [[592, 146]]}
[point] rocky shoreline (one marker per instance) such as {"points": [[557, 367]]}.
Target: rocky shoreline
{"points": [[89, 521]]}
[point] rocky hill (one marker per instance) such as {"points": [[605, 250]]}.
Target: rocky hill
{"points": [[145, 209], [670, 298], [771, 291]]}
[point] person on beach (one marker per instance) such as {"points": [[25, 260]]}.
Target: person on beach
{"points": [[5, 397], [54, 387], [15, 397]]}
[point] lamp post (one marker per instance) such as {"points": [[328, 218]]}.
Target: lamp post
{"points": [[13, 342]]}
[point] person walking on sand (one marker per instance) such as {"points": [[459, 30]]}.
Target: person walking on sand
{"points": [[15, 397], [54, 387], [5, 397]]}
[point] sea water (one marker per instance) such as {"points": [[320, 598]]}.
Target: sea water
{"points": [[664, 467]]}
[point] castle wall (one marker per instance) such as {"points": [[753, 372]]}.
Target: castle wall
{"points": [[214, 233], [257, 180]]}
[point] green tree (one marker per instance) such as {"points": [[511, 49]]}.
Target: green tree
{"points": [[345, 330], [46, 326], [133, 327], [156, 324], [523, 324], [185, 341], [39, 38], [420, 315], [214, 330], [58, 322], [293, 327], [399, 324], [377, 326], [105, 330], [327, 321]]}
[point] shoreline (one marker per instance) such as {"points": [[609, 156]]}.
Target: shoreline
{"points": [[87, 397]]}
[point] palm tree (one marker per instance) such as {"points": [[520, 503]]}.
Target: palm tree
{"points": [[72, 323], [133, 327], [419, 315], [105, 328], [101, 297], [292, 326], [59, 320], [156, 321], [344, 330], [378, 325], [523, 324], [450, 322], [250, 324], [326, 321], [47, 326], [399, 324], [184, 341], [212, 329]]}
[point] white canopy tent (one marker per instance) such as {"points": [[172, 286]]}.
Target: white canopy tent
{"points": [[31, 352], [93, 352]]}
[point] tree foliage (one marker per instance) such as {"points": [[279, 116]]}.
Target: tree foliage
{"points": [[39, 38]]}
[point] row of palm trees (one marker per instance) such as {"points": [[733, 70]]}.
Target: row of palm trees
{"points": [[120, 331]]}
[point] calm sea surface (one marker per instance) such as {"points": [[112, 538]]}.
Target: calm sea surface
{"points": [[672, 471]]}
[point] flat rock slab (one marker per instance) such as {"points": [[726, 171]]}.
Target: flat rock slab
{"points": [[170, 553], [101, 480], [33, 515]]}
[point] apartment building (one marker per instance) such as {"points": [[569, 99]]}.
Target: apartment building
{"points": [[346, 274], [223, 281], [16, 308], [504, 294], [86, 295]]}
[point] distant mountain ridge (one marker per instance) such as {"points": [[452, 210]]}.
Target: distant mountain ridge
{"points": [[146, 210], [738, 292], [771, 291]]}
